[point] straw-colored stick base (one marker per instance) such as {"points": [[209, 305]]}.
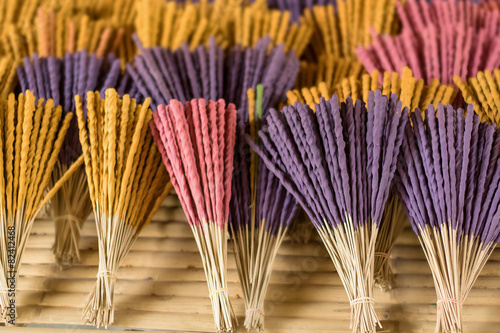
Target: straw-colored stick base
{"points": [[384, 278], [455, 265], [390, 227], [255, 250], [99, 305], [67, 239], [352, 252], [70, 208], [212, 244]]}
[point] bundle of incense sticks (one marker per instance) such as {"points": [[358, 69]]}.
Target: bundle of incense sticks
{"points": [[411, 91], [339, 167], [328, 69], [32, 137], [123, 167], [230, 22], [197, 144], [448, 173], [482, 92], [60, 79], [162, 74], [438, 40], [260, 213]]}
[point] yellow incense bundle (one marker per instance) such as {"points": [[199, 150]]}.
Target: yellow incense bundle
{"points": [[339, 31], [170, 24], [412, 92], [127, 184], [483, 91], [30, 140]]}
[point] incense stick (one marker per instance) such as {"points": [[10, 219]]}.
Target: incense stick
{"points": [[127, 184], [448, 178], [197, 145], [339, 168]]}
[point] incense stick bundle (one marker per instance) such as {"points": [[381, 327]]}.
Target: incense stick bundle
{"points": [[414, 93], [32, 135], [127, 184], [339, 163], [60, 80], [448, 176], [481, 91], [162, 74], [438, 40], [260, 213], [197, 144], [230, 23]]}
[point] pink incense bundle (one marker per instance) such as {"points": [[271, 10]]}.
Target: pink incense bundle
{"points": [[438, 41], [197, 146]]}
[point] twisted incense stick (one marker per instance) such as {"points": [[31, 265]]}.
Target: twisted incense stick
{"points": [[32, 137], [261, 211], [339, 168], [197, 145], [127, 184], [448, 176]]}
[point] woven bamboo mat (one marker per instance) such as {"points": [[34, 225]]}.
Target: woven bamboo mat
{"points": [[161, 285]]}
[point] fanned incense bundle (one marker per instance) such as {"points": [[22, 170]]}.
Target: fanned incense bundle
{"points": [[60, 80], [72, 28], [127, 184], [413, 94], [339, 163], [197, 145], [483, 92], [438, 41], [229, 22], [260, 213], [30, 140], [411, 91], [206, 72], [449, 172]]}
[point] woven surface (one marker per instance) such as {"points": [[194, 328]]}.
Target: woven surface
{"points": [[161, 285]]}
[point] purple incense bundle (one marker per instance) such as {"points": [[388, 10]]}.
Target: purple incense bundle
{"points": [[439, 39], [448, 178], [207, 73], [60, 80], [261, 211], [339, 163]]}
